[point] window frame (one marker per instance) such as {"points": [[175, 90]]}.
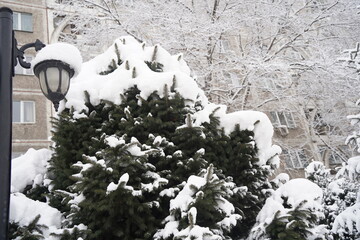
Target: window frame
{"points": [[232, 76], [294, 157], [22, 112], [333, 157], [224, 45], [283, 118], [17, 16]]}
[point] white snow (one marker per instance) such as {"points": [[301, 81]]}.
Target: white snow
{"points": [[348, 220], [185, 196], [300, 189], [64, 52], [169, 192], [122, 182], [193, 214], [314, 167], [29, 169], [171, 228], [354, 167], [351, 169], [296, 191], [281, 179], [114, 141], [23, 210]]}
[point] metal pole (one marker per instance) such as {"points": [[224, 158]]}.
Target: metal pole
{"points": [[6, 71]]}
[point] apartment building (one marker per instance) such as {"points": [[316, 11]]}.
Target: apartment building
{"points": [[31, 110]]}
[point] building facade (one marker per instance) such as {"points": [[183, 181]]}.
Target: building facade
{"points": [[294, 122], [31, 110]]}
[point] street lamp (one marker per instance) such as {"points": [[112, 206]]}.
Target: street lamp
{"points": [[54, 76]]}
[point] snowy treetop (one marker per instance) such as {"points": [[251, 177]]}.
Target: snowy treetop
{"points": [[152, 69], [132, 71]]}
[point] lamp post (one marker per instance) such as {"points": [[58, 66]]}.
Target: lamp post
{"points": [[54, 76]]}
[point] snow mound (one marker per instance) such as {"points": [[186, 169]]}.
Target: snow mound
{"points": [[29, 169], [295, 191], [23, 211], [281, 179]]}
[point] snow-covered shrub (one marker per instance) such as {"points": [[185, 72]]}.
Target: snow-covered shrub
{"points": [[342, 202], [292, 212], [317, 173], [347, 223]]}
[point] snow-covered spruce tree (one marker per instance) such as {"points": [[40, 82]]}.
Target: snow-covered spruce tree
{"points": [[134, 133], [201, 209]]}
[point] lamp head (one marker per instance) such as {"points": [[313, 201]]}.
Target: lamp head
{"points": [[54, 77]]}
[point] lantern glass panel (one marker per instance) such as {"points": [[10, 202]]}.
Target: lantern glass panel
{"points": [[65, 80], [53, 78], [43, 83]]}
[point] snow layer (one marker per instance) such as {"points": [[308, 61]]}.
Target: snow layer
{"points": [[64, 52], [295, 191], [348, 221], [133, 71], [29, 169], [281, 179], [23, 210], [351, 169]]}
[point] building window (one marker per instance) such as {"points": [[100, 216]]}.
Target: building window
{"points": [[274, 82], [269, 84], [337, 156], [335, 159], [24, 71], [23, 112], [223, 45], [22, 21], [281, 119], [231, 77], [295, 159]]}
